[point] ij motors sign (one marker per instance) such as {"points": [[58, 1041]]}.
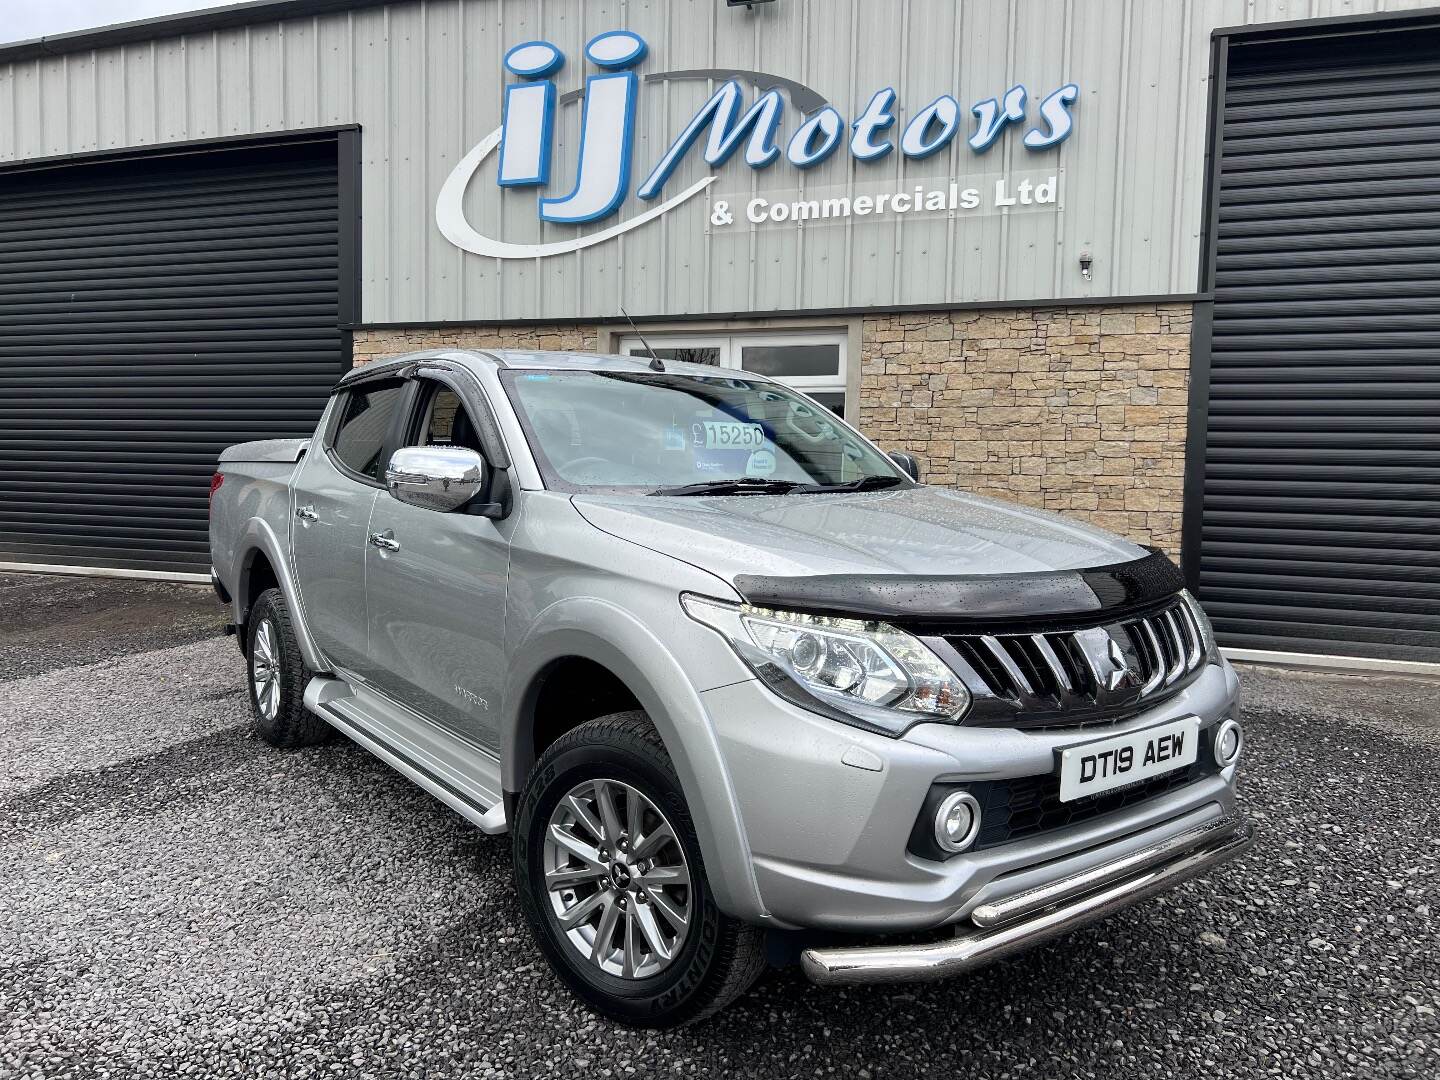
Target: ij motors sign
{"points": [[723, 127]]}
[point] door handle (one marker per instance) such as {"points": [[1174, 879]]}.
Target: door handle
{"points": [[306, 513], [385, 541]]}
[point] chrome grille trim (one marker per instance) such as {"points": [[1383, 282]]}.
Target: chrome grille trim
{"points": [[1079, 675], [1062, 677], [1003, 658], [1196, 638], [1158, 675], [1176, 647]]}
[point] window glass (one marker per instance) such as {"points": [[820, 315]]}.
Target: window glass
{"points": [[682, 354], [628, 430], [812, 362], [444, 407], [791, 361], [360, 436], [448, 422], [832, 400]]}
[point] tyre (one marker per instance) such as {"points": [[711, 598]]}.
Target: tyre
{"points": [[611, 879], [277, 677]]}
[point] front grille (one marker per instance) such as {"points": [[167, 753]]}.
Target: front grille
{"points": [[1072, 676], [1015, 809]]}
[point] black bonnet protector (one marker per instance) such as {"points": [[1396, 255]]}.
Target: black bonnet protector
{"points": [[972, 598]]}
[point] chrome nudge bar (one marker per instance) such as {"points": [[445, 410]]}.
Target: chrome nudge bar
{"points": [[1006, 927]]}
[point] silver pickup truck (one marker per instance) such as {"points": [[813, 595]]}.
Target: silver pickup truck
{"points": [[736, 683]]}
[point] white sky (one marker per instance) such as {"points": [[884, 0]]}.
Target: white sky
{"points": [[24, 19]]}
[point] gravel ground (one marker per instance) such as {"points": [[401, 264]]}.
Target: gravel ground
{"points": [[178, 899], [52, 623]]}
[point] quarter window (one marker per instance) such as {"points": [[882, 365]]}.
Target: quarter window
{"points": [[364, 425]]}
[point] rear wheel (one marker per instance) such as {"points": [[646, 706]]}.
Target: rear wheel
{"points": [[277, 677], [612, 881]]}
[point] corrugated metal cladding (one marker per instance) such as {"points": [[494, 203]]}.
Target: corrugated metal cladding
{"points": [[153, 312], [1322, 465], [425, 81]]}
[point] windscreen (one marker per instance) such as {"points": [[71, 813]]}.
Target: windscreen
{"points": [[645, 432]]}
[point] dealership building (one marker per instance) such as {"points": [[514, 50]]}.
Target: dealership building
{"points": [[1168, 266]]}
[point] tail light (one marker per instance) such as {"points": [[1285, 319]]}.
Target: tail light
{"points": [[215, 482]]}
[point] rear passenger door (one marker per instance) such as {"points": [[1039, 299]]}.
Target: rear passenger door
{"points": [[337, 485], [437, 603]]}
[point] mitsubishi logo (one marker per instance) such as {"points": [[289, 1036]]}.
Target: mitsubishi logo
{"points": [[1120, 670], [1110, 659]]}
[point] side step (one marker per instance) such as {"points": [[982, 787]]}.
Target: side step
{"points": [[463, 776]]}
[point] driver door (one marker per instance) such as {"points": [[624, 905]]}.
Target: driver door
{"points": [[436, 603]]}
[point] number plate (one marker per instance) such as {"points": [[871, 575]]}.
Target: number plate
{"points": [[1091, 768]]}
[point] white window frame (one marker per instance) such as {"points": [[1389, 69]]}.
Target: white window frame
{"points": [[721, 343], [730, 343]]}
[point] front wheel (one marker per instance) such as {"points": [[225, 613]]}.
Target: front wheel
{"points": [[612, 881]]}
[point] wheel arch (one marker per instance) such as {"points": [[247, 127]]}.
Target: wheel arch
{"points": [[571, 633], [567, 692], [260, 565]]}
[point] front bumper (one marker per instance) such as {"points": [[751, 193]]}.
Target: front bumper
{"points": [[828, 810], [1016, 923]]}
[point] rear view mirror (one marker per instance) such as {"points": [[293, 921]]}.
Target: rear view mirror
{"points": [[435, 477], [909, 464]]}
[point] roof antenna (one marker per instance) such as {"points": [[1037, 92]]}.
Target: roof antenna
{"points": [[656, 364]]}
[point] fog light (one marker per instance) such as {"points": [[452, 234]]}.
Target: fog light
{"points": [[1229, 741], [957, 821]]}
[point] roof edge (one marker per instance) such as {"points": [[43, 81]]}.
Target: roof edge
{"points": [[1327, 25], [177, 25]]}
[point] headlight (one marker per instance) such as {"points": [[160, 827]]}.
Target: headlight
{"points": [[868, 674], [1207, 632]]}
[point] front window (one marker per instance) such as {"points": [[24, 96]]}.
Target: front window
{"points": [[364, 424], [667, 433]]}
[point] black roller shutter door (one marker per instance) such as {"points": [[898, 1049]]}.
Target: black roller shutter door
{"points": [[152, 312], [1321, 510]]}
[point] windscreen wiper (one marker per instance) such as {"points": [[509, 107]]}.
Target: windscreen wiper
{"points": [[865, 483], [743, 485]]}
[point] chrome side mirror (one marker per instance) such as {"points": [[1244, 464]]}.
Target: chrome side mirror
{"points": [[909, 464], [435, 477]]}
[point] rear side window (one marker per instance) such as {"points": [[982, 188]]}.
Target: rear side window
{"points": [[364, 424]]}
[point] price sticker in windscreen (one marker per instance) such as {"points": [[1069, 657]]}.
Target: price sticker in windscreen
{"points": [[733, 435]]}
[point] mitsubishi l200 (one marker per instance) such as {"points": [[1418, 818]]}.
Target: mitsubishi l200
{"points": [[723, 669]]}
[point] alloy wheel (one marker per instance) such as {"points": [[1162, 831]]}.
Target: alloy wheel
{"points": [[265, 669], [617, 879]]}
